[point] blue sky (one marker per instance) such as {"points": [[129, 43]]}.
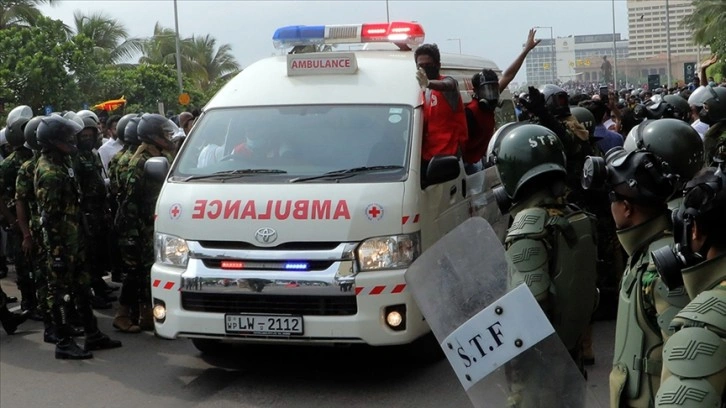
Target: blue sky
{"points": [[490, 28]]}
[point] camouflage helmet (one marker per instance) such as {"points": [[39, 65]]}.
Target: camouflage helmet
{"points": [[528, 151], [585, 117], [30, 132], [673, 141], [17, 119]]}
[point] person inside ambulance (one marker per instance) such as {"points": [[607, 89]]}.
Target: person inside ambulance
{"points": [[445, 128], [261, 147]]}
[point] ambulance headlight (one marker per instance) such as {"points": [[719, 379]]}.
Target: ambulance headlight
{"points": [[171, 250], [391, 252]]}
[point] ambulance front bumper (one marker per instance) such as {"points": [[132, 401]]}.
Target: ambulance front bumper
{"points": [[332, 305]]}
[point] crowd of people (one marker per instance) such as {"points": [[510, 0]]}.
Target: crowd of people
{"points": [[76, 205], [622, 192]]}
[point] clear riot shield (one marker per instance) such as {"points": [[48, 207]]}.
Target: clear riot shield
{"points": [[501, 345]]}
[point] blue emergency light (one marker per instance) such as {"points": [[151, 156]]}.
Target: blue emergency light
{"points": [[408, 33]]}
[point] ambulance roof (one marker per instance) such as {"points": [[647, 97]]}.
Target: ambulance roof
{"points": [[383, 77]]}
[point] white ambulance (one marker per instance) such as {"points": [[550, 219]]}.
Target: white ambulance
{"points": [[295, 205]]}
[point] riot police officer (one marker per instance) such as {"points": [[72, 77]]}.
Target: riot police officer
{"points": [[138, 206], [18, 119], [713, 113], [639, 184], [551, 245], [58, 194], [694, 358]]}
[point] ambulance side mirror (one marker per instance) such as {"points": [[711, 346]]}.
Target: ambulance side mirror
{"points": [[442, 169], [156, 168]]}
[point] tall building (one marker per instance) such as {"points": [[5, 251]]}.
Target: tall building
{"points": [[647, 28], [541, 63]]}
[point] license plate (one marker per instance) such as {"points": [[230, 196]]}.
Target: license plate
{"points": [[268, 325]]}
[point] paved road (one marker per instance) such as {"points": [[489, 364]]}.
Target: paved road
{"points": [[152, 372]]}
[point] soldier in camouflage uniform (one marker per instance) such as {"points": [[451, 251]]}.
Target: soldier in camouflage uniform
{"points": [[126, 319], [29, 222], [8, 173], [94, 211], [58, 195], [138, 207]]}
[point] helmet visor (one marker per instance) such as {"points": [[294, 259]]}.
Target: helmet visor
{"points": [[701, 95]]}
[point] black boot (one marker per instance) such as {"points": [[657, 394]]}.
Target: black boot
{"points": [[100, 341], [10, 321], [67, 349], [49, 335]]}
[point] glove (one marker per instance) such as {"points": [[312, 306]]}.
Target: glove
{"points": [[535, 103], [58, 265], [422, 79]]}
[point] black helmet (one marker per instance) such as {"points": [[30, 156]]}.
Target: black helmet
{"points": [[58, 133], [556, 100], [157, 130], [30, 132], [681, 110], [674, 141], [131, 135], [88, 114], [121, 126], [17, 119], [714, 107], [527, 151], [585, 117]]}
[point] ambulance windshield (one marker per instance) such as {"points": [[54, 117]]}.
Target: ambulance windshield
{"points": [[293, 142]]}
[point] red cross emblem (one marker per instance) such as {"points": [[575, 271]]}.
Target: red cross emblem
{"points": [[374, 212], [175, 211]]}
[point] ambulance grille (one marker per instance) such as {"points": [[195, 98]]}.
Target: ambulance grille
{"points": [[290, 246], [270, 304], [343, 32]]}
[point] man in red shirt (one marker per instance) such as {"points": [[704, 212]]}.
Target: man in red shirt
{"points": [[444, 119], [480, 111]]}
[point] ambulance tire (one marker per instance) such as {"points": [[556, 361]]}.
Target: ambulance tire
{"points": [[209, 347]]}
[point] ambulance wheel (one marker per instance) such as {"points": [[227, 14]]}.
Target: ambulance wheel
{"points": [[208, 346]]}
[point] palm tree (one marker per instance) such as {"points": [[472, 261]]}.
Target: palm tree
{"points": [[708, 23], [209, 63], [109, 36], [160, 48], [21, 13]]}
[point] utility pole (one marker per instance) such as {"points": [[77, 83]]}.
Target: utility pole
{"points": [[178, 51], [615, 54], [668, 44]]}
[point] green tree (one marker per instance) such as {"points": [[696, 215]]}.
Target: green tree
{"points": [[210, 63], [708, 22], [110, 38], [143, 85], [41, 66], [21, 13]]}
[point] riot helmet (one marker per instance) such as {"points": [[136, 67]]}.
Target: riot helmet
{"points": [[131, 134], [494, 142], [704, 202], [714, 106], [88, 136], [17, 119], [556, 100], [674, 141], [88, 114], [681, 110], [486, 89], [74, 117], [527, 151], [699, 96], [56, 133], [121, 126], [30, 133], [157, 130], [585, 117], [638, 176]]}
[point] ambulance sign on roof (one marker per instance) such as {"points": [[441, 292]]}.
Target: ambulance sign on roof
{"points": [[321, 63]]}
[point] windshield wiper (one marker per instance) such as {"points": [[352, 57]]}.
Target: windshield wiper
{"points": [[343, 173], [229, 174]]}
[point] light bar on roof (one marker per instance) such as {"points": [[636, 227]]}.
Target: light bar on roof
{"points": [[396, 32]]}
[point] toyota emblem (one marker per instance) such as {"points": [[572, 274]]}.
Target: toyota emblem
{"points": [[266, 235]]}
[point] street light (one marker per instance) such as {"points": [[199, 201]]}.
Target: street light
{"points": [[178, 51], [615, 54], [668, 44], [552, 54], [457, 40]]}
